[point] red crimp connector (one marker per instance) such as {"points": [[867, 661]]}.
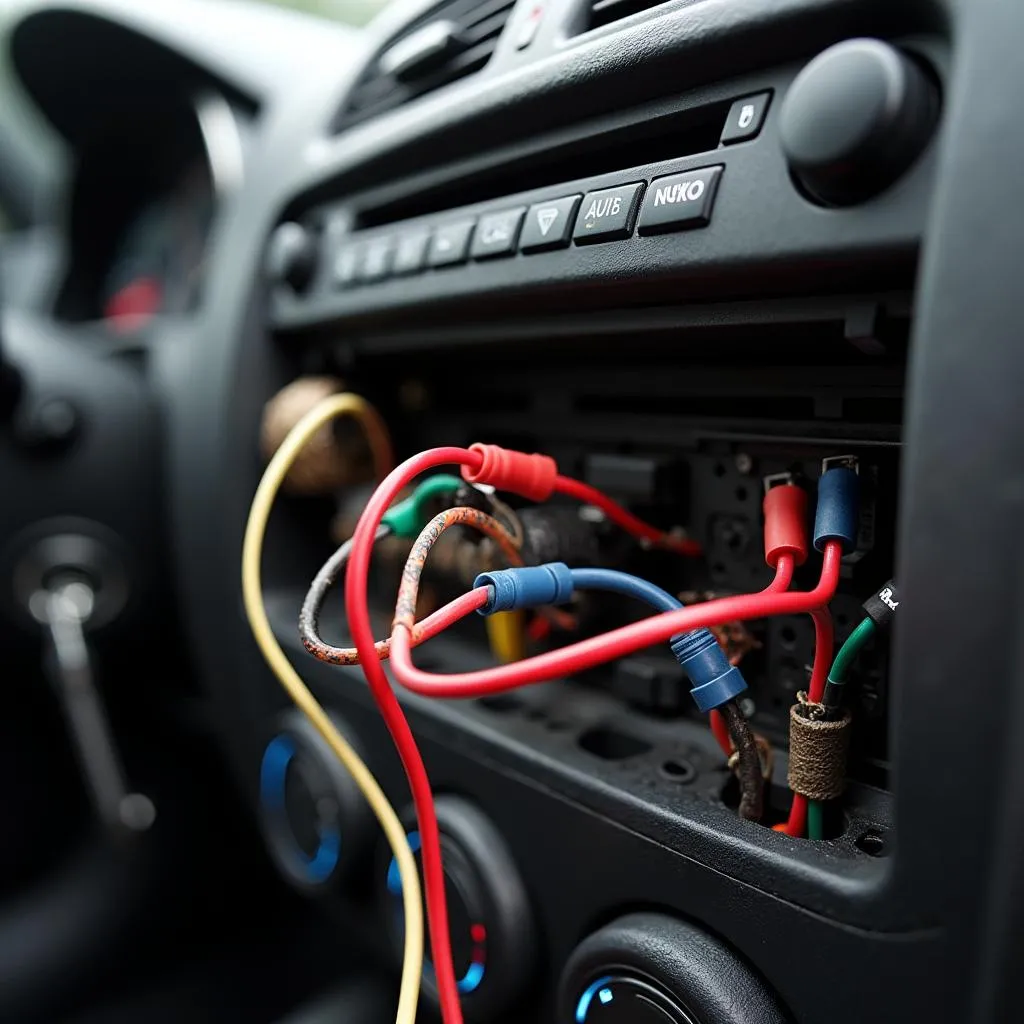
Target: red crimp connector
{"points": [[531, 476], [785, 523]]}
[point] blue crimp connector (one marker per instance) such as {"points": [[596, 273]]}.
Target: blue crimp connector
{"points": [[714, 681], [838, 511], [531, 586]]}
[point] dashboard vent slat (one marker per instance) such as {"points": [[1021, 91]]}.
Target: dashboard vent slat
{"points": [[488, 9], [604, 12], [453, 40]]}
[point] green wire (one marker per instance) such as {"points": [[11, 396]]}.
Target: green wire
{"points": [[855, 643], [815, 819], [844, 660]]}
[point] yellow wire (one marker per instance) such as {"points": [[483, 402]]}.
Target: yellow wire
{"points": [[252, 593], [505, 634]]}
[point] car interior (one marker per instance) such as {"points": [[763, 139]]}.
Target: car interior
{"points": [[656, 366]]}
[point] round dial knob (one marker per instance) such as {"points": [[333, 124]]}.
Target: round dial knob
{"points": [[292, 256], [624, 999], [855, 119], [652, 969], [490, 920], [314, 818]]}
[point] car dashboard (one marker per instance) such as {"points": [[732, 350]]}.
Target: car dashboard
{"points": [[713, 258]]}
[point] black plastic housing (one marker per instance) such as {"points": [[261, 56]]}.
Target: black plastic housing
{"points": [[775, 289]]}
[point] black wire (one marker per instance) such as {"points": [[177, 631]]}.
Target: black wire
{"points": [[312, 605], [748, 762]]}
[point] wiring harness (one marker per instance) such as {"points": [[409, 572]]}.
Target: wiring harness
{"points": [[715, 684]]}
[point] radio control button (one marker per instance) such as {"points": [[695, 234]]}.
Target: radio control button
{"points": [[745, 118], [609, 214], [680, 201], [497, 233], [549, 225], [450, 244]]}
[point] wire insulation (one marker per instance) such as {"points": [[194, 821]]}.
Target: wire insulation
{"points": [[796, 824], [824, 639], [506, 635], [815, 820], [615, 582], [748, 762], [848, 653], [357, 609], [617, 643], [312, 606], [252, 593], [720, 731], [408, 589]]}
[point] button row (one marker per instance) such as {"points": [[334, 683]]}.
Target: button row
{"points": [[675, 202]]}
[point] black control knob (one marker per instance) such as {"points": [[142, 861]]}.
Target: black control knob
{"points": [[855, 119], [653, 969], [292, 256], [316, 823], [491, 923]]}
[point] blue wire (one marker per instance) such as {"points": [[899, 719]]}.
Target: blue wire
{"points": [[623, 583], [713, 681]]}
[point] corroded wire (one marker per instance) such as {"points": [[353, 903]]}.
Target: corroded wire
{"points": [[748, 768], [309, 616], [408, 590], [312, 605]]}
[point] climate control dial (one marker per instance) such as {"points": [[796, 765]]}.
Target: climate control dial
{"points": [[491, 923], [315, 821], [654, 969]]}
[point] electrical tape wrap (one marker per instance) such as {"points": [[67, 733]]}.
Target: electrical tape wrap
{"points": [[817, 750]]}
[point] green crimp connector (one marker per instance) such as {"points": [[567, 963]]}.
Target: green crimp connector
{"points": [[407, 518]]}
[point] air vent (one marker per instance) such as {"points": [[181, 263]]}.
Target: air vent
{"points": [[455, 39], [604, 12]]}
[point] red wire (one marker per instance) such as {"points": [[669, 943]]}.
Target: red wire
{"points": [[449, 614], [823, 644], [824, 639], [474, 599], [616, 644], [358, 614], [783, 578], [625, 519], [720, 731], [797, 823], [783, 575], [538, 629], [823, 651], [568, 660]]}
